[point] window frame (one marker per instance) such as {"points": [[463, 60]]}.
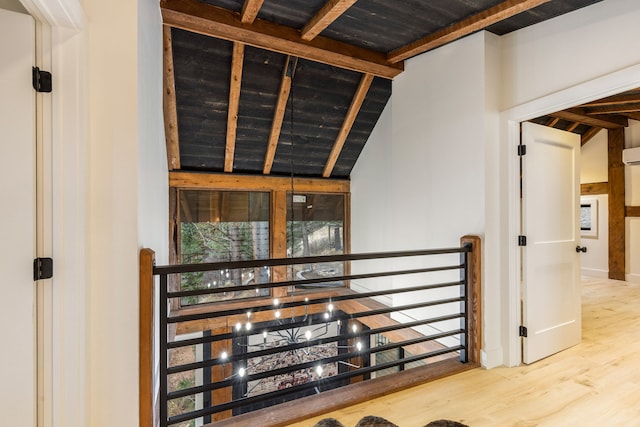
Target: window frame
{"points": [[278, 187]]}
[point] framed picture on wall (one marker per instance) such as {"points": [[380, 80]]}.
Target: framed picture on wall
{"points": [[588, 217]]}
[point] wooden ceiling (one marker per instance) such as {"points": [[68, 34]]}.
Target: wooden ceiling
{"points": [[588, 119], [295, 87]]}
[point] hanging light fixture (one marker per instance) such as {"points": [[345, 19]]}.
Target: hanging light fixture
{"points": [[280, 335]]}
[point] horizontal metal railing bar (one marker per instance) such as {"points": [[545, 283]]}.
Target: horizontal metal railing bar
{"points": [[248, 400], [319, 341], [300, 317], [291, 368], [334, 318], [219, 290], [302, 303], [274, 262]]}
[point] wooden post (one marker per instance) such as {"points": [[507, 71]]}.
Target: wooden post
{"points": [[474, 295], [616, 205], [279, 239], [146, 334]]}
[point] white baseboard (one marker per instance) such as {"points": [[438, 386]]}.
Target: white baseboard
{"points": [[594, 272], [634, 278]]}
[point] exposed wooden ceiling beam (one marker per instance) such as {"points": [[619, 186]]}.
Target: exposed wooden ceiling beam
{"points": [[477, 22], [329, 13], [588, 135], [169, 103], [278, 115], [605, 121], [214, 21], [350, 118], [553, 122], [615, 99], [634, 115], [250, 10], [613, 109], [594, 188], [256, 183], [234, 102], [573, 127]]}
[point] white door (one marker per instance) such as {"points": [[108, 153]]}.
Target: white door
{"points": [[551, 306], [17, 221]]}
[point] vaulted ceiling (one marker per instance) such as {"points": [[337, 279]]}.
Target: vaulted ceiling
{"points": [[281, 87]]}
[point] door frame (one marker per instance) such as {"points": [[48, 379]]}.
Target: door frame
{"points": [[611, 84], [62, 227]]}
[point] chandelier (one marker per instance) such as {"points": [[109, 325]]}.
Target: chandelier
{"points": [[286, 332]]}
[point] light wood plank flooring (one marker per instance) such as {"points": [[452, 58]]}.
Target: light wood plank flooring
{"points": [[596, 383]]}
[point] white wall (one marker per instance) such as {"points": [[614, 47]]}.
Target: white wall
{"points": [[128, 193], [557, 54], [426, 157], [371, 194], [594, 167], [446, 154], [632, 194]]}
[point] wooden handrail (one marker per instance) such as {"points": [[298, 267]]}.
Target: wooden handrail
{"points": [[146, 334]]}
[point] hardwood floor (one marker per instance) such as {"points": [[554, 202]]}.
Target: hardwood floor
{"points": [[596, 383]]}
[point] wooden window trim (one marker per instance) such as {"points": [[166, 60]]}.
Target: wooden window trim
{"points": [[277, 187]]}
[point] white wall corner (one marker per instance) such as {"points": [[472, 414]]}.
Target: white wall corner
{"points": [[593, 272], [57, 13]]}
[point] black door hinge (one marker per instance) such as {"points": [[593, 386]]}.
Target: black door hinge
{"points": [[41, 80], [42, 268], [522, 240], [522, 331], [522, 150]]}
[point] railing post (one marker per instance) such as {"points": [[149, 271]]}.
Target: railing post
{"points": [[164, 381], [464, 304], [146, 334], [474, 297]]}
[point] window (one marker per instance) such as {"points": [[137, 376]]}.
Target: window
{"points": [[252, 218], [315, 227], [223, 226]]}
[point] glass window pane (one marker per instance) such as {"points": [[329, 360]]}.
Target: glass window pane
{"points": [[223, 226], [315, 227]]}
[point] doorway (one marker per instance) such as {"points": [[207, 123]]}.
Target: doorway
{"points": [[614, 83]]}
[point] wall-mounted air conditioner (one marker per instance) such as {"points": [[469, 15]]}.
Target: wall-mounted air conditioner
{"points": [[631, 156]]}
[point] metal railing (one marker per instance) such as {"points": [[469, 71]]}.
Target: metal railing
{"points": [[249, 354]]}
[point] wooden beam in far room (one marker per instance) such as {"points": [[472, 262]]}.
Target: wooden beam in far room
{"points": [[594, 188], [632, 211], [616, 205]]}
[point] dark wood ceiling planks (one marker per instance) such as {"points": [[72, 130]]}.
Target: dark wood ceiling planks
{"points": [[252, 112]]}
